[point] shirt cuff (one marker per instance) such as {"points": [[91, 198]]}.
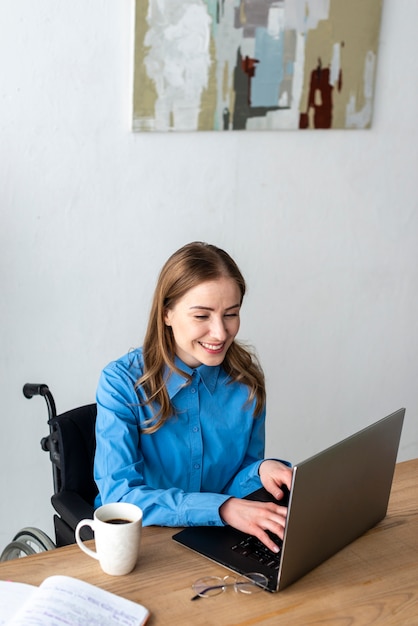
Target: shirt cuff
{"points": [[288, 463], [202, 509]]}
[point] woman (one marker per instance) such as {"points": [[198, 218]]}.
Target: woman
{"points": [[180, 422]]}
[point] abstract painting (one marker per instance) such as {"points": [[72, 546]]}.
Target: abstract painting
{"points": [[254, 64]]}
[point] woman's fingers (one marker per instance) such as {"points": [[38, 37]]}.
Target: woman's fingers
{"points": [[256, 518]]}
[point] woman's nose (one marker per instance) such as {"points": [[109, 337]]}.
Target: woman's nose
{"points": [[217, 329]]}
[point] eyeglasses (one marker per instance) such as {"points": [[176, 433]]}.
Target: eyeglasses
{"points": [[214, 585]]}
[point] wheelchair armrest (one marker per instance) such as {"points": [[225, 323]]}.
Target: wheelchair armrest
{"points": [[72, 508]]}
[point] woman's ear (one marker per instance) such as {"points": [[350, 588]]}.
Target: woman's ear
{"points": [[167, 317]]}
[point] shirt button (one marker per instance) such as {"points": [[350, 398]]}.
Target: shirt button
{"points": [[193, 390], [196, 466], [195, 429]]}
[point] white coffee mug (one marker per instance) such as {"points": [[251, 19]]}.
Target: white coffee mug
{"points": [[117, 533]]}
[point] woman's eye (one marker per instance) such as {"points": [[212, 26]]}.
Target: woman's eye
{"points": [[206, 317]]}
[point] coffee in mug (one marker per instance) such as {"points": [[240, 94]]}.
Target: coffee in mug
{"points": [[117, 532]]}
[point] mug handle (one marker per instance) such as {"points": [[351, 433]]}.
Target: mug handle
{"points": [[85, 522]]}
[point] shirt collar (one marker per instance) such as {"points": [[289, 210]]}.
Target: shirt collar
{"points": [[207, 374]]}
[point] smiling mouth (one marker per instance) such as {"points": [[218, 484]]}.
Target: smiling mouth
{"points": [[214, 348]]}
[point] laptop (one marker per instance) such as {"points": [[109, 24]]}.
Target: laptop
{"points": [[336, 496]]}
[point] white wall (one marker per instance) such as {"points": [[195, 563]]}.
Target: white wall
{"points": [[323, 224]]}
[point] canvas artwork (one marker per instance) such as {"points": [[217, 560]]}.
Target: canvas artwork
{"points": [[227, 65]]}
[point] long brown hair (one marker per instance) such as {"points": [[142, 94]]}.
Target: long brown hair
{"points": [[190, 266]]}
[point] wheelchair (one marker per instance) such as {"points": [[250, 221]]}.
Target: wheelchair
{"points": [[71, 445]]}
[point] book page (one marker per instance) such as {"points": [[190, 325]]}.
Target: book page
{"points": [[64, 600], [12, 597]]}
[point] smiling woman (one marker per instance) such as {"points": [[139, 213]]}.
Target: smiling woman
{"points": [[180, 421], [205, 322]]}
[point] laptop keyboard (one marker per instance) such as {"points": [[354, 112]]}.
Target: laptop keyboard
{"points": [[252, 548]]}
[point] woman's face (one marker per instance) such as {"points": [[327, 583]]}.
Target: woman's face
{"points": [[205, 322]]}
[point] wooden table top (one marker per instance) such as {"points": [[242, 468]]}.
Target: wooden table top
{"points": [[372, 581]]}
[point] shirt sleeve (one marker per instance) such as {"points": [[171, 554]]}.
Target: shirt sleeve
{"points": [[119, 462], [247, 479]]}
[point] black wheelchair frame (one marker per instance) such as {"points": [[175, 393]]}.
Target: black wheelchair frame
{"points": [[71, 446]]}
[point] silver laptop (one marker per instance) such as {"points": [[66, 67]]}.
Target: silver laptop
{"points": [[336, 496]]}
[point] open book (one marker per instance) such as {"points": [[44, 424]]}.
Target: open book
{"points": [[65, 600]]}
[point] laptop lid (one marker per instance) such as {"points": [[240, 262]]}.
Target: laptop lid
{"points": [[336, 496]]}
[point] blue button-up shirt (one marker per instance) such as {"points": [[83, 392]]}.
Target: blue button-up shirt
{"points": [[180, 475]]}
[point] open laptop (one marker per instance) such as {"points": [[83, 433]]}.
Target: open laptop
{"points": [[336, 496]]}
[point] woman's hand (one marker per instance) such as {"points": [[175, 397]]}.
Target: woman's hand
{"points": [[274, 475], [254, 517]]}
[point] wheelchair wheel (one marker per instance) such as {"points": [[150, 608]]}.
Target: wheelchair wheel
{"points": [[16, 550], [35, 539], [26, 542]]}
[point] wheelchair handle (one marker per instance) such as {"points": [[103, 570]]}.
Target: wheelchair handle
{"points": [[40, 389], [34, 389]]}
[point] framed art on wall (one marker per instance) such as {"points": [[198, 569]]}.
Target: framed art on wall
{"points": [[254, 64]]}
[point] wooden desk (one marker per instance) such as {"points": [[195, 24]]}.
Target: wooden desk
{"points": [[372, 581]]}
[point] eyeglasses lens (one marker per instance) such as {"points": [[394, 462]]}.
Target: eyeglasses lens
{"points": [[252, 583], [214, 585], [209, 586]]}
